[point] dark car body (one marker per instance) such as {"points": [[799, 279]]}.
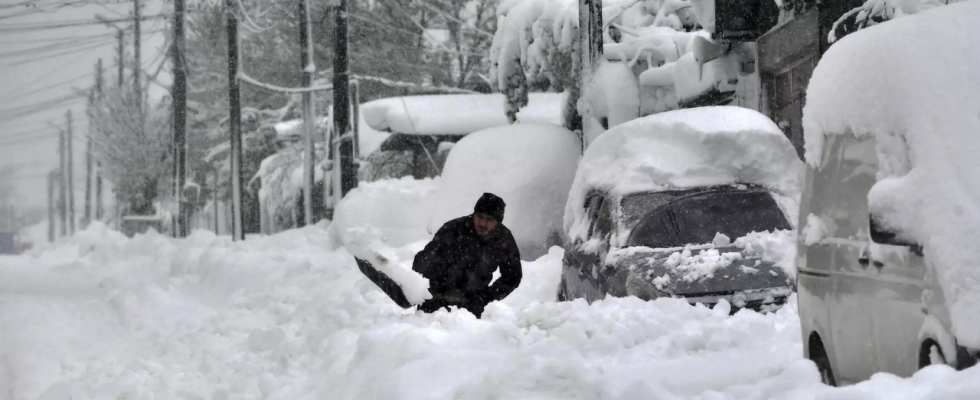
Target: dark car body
{"points": [[658, 224]]}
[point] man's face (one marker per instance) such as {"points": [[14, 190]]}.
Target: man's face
{"points": [[484, 223]]}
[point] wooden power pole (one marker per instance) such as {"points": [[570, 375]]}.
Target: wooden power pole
{"points": [[138, 66], [70, 161], [52, 175], [341, 102], [234, 122], [62, 185], [309, 112], [179, 116]]}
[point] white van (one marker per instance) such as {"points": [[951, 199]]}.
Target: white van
{"points": [[889, 211]]}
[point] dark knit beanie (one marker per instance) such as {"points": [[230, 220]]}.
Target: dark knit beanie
{"points": [[491, 205]]}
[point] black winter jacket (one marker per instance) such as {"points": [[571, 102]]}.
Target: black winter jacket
{"points": [[460, 264]]}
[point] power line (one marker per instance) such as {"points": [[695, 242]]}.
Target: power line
{"points": [[34, 26], [56, 55], [42, 49], [18, 96], [48, 8]]}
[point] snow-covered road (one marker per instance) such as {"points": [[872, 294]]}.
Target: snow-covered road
{"points": [[285, 317]]}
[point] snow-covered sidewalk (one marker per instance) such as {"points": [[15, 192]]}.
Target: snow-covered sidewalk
{"points": [[286, 317]]}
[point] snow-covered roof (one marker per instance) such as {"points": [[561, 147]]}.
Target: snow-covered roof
{"points": [[923, 107], [455, 114], [693, 147], [530, 166]]}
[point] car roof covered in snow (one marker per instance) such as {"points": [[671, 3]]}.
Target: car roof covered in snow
{"points": [[704, 146], [923, 109], [456, 114]]}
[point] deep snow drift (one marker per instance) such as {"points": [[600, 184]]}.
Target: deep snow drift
{"points": [[923, 111], [284, 317]]}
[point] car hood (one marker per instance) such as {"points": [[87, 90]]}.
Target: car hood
{"points": [[701, 271]]}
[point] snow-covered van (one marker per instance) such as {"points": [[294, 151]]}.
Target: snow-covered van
{"points": [[694, 204], [423, 128], [889, 278]]}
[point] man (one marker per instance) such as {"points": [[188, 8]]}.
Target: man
{"points": [[463, 255]]}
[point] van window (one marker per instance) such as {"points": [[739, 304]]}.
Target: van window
{"points": [[838, 189]]}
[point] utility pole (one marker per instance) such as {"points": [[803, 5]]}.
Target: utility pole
{"points": [[122, 55], [137, 65], [309, 113], [590, 52], [341, 102], [355, 110], [98, 164], [52, 175], [87, 217], [71, 177], [62, 185], [180, 116], [234, 122]]}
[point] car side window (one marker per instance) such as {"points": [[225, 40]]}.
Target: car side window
{"points": [[604, 220], [592, 211]]}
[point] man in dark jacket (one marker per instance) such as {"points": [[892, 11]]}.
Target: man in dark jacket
{"points": [[462, 257]]}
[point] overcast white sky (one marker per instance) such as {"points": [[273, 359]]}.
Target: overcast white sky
{"points": [[26, 142]]}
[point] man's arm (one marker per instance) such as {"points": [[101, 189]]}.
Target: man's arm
{"points": [[510, 272], [430, 260]]}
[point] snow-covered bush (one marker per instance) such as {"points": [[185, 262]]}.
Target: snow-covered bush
{"points": [[874, 12]]}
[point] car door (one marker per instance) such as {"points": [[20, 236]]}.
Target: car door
{"points": [[843, 251], [901, 312], [582, 258]]}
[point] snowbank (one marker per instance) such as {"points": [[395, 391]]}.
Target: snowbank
{"points": [[923, 111], [530, 166], [685, 148], [284, 317], [399, 208], [456, 114]]}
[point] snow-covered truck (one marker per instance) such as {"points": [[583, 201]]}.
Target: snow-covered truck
{"points": [[694, 204], [890, 213], [423, 128]]}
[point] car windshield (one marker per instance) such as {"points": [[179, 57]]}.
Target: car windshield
{"points": [[697, 218]]}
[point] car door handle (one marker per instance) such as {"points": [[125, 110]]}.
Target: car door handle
{"points": [[864, 261]]}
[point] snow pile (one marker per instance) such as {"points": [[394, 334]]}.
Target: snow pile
{"points": [[530, 166], [456, 114], [684, 148], [702, 265], [284, 317], [398, 208], [923, 111], [777, 247]]}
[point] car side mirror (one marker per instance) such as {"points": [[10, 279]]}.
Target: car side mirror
{"points": [[882, 235]]}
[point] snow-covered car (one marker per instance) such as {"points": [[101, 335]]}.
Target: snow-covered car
{"points": [[890, 212], [423, 128], [529, 165], [692, 203]]}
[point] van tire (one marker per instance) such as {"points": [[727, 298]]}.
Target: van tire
{"points": [[819, 357], [925, 354]]}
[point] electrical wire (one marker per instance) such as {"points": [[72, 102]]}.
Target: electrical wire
{"points": [[34, 26], [56, 55], [18, 96]]}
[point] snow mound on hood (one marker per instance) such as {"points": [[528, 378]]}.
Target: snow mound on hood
{"points": [[398, 208], [703, 146], [924, 111], [530, 166]]}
